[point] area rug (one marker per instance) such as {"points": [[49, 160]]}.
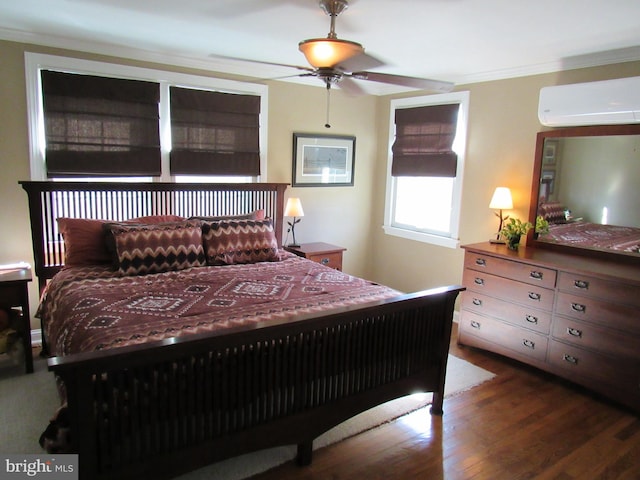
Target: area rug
{"points": [[26, 405]]}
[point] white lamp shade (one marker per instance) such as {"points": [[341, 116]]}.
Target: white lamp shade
{"points": [[293, 208], [501, 199]]}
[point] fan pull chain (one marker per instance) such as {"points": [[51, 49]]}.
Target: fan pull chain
{"points": [[327, 125]]}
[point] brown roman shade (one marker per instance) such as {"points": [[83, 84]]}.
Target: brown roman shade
{"points": [[214, 133], [423, 144], [99, 126]]}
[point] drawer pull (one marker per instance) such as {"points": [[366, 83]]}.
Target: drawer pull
{"points": [[477, 302], [481, 262], [534, 296], [475, 324], [531, 319], [570, 359], [536, 275], [574, 332], [325, 261], [529, 344], [578, 307], [582, 284], [478, 281]]}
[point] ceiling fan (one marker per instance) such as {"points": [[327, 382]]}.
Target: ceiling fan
{"points": [[339, 62]]}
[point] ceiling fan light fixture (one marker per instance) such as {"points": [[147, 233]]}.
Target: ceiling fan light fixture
{"points": [[328, 52]]}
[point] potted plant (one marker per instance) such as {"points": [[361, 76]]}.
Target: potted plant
{"points": [[513, 230], [542, 226]]}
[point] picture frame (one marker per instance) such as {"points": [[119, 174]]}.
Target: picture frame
{"points": [[323, 160], [548, 177], [550, 151]]}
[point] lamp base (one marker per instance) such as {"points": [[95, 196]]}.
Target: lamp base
{"points": [[493, 240], [296, 245]]}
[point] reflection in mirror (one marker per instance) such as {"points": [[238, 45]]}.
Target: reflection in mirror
{"points": [[587, 185]]}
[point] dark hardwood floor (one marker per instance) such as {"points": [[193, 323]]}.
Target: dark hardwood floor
{"points": [[523, 424]]}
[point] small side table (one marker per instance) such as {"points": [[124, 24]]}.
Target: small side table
{"points": [[320, 252], [15, 293]]}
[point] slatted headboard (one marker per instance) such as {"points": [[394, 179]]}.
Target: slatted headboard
{"points": [[122, 201]]}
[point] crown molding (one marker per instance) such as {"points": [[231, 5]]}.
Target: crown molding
{"points": [[258, 72]]}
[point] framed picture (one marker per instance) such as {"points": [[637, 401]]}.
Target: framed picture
{"points": [[550, 151], [323, 160], [548, 178]]}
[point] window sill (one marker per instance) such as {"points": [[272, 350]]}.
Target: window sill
{"points": [[422, 237]]}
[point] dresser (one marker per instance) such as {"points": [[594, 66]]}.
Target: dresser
{"points": [[573, 316]]}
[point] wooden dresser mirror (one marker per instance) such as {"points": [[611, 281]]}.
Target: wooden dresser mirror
{"points": [[586, 183]]}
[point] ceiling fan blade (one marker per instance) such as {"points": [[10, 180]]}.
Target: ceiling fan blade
{"points": [[351, 87], [362, 61], [413, 82], [260, 62]]}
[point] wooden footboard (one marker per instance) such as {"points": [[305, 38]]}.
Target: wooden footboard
{"points": [[150, 412]]}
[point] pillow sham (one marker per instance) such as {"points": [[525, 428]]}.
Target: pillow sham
{"points": [[230, 242], [83, 242], [553, 212], [142, 249]]}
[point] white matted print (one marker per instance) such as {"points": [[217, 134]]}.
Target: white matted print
{"points": [[323, 160]]}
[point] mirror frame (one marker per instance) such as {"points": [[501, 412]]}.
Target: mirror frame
{"points": [[589, 131]]}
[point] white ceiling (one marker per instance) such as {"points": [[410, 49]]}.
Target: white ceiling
{"points": [[462, 41]]}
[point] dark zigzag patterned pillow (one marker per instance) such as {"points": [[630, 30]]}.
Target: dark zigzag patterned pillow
{"points": [[239, 241], [143, 249]]}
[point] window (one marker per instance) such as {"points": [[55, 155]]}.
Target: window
{"points": [[254, 95], [425, 167]]}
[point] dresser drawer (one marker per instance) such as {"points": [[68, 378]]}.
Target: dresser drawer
{"points": [[520, 340], [519, 315], [500, 287], [602, 368], [596, 287], [621, 317], [605, 340], [521, 272]]}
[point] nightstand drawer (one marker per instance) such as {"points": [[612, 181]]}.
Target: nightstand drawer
{"points": [[333, 260], [11, 295], [319, 252]]}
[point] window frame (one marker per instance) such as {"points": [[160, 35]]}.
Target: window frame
{"points": [[451, 239], [34, 62]]}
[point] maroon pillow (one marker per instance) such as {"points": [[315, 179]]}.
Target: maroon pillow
{"points": [[143, 249], [83, 241], [553, 212], [239, 241]]}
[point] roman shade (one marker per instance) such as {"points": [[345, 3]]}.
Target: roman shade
{"points": [[214, 133], [424, 139], [99, 126]]}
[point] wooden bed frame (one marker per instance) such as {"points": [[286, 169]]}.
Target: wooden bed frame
{"points": [[159, 409]]}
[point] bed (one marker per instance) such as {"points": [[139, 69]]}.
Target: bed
{"points": [[583, 234], [166, 365]]}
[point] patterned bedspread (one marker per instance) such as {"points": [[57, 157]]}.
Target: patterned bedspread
{"points": [[93, 308], [593, 235]]}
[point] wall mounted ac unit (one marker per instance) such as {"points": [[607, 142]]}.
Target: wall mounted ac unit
{"points": [[594, 103]]}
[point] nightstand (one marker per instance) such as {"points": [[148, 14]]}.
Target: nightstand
{"points": [[324, 253], [14, 293]]}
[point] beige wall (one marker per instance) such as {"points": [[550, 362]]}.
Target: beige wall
{"points": [[501, 141], [500, 152], [339, 215]]}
